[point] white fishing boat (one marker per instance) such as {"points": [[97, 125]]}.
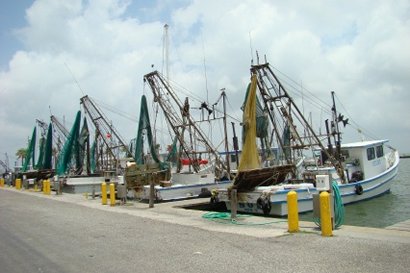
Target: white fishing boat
{"points": [[354, 171], [85, 183], [81, 168], [370, 170], [191, 167]]}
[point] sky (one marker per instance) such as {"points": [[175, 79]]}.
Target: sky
{"points": [[54, 52]]}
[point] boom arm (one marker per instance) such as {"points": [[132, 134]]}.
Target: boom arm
{"points": [[165, 95]]}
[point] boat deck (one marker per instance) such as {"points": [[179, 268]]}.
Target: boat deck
{"points": [[403, 226]]}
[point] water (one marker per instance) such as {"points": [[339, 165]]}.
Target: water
{"points": [[385, 210]]}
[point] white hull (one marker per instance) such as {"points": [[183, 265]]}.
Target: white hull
{"points": [[184, 185], [372, 187], [177, 192], [82, 184]]}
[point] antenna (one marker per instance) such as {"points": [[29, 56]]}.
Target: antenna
{"points": [[206, 78], [257, 57], [250, 45], [72, 75], [165, 51]]}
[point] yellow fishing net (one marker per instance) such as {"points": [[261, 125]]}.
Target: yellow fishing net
{"points": [[249, 158]]}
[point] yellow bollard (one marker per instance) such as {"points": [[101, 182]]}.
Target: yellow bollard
{"points": [[104, 193], [293, 212], [112, 194], [44, 186], [48, 187], [325, 216], [1, 182], [18, 184]]}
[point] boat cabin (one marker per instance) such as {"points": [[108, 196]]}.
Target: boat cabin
{"points": [[364, 159]]}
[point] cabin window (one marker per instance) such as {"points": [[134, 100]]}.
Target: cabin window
{"points": [[370, 153], [379, 151]]}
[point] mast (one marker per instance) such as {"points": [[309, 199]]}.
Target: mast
{"points": [[335, 124], [228, 165], [165, 51], [282, 109], [113, 141]]}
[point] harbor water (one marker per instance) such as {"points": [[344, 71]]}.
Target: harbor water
{"points": [[382, 211]]}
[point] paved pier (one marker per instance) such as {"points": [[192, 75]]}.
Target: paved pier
{"points": [[72, 233], [402, 226]]}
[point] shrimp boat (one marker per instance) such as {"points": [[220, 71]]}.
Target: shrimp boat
{"points": [[191, 168], [360, 170], [83, 167]]}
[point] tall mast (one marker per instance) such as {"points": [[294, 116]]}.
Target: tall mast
{"points": [[336, 126], [228, 165], [165, 51]]}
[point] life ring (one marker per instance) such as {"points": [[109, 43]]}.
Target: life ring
{"points": [[358, 189]]}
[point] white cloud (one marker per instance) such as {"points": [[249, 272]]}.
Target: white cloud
{"points": [[357, 49]]}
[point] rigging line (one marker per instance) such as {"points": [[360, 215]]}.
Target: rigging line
{"points": [[176, 86], [311, 101], [228, 115], [115, 110], [296, 89], [232, 117], [311, 93], [72, 75], [358, 127]]}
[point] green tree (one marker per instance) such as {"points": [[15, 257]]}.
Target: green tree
{"points": [[21, 153]]}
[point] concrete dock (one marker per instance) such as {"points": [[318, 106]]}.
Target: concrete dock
{"points": [[402, 226], [169, 238]]}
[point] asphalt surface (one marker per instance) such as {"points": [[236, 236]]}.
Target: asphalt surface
{"points": [[69, 233]]}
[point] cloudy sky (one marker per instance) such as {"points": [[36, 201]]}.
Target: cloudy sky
{"points": [[54, 52]]}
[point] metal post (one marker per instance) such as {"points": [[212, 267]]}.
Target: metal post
{"points": [[234, 204], [60, 186], [151, 193], [235, 145], [93, 192]]}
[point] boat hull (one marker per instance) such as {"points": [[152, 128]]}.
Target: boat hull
{"points": [[184, 191], [369, 188], [85, 184]]}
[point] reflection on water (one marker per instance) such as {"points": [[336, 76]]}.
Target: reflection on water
{"points": [[385, 210]]}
